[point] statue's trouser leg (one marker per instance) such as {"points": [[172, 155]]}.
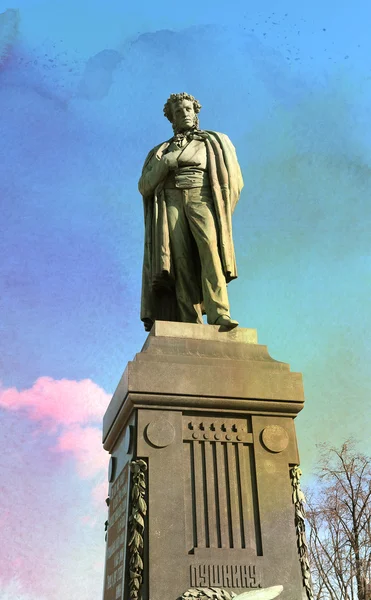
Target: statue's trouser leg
{"points": [[190, 212], [187, 285], [199, 208]]}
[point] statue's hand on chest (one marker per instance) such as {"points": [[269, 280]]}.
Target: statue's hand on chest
{"points": [[176, 157]]}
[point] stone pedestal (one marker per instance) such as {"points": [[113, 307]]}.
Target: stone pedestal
{"points": [[205, 418]]}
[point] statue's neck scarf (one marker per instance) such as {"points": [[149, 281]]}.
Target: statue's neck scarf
{"points": [[188, 135]]}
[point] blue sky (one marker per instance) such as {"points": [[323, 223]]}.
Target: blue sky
{"points": [[81, 94]]}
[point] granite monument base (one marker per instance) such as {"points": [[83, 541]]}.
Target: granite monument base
{"points": [[203, 446]]}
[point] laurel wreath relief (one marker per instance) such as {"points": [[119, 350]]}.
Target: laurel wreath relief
{"points": [[299, 500], [136, 527], [222, 594], [207, 593]]}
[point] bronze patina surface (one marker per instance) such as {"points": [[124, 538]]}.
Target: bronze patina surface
{"points": [[190, 186]]}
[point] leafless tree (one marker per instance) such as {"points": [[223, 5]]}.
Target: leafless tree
{"points": [[339, 525]]}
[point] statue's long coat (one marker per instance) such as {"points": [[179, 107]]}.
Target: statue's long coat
{"points": [[226, 184]]}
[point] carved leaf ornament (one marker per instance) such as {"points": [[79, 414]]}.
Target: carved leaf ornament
{"points": [[136, 527], [221, 594], [299, 500]]}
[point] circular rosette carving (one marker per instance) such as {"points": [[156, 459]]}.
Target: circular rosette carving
{"points": [[275, 438], [160, 433]]}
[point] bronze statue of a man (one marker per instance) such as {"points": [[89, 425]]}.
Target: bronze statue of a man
{"points": [[190, 186]]}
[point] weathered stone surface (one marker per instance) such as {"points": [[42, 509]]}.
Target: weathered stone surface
{"points": [[215, 370], [275, 438], [170, 329], [213, 420], [160, 433]]}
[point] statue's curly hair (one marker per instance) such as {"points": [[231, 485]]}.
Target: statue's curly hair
{"points": [[173, 98]]}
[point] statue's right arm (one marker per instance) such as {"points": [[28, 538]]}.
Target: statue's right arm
{"points": [[154, 171]]}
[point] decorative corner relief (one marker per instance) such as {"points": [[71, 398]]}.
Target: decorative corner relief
{"points": [[299, 500], [136, 527]]}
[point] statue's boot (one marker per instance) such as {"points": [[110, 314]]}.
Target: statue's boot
{"points": [[226, 321]]}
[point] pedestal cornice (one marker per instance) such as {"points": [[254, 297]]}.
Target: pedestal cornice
{"points": [[185, 366]]}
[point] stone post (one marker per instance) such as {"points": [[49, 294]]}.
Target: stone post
{"points": [[202, 440]]}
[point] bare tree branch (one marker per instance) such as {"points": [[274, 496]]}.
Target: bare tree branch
{"points": [[339, 519]]}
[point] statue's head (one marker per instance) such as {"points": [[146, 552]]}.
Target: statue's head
{"points": [[182, 110]]}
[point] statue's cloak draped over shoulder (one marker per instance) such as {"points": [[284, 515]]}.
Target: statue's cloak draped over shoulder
{"points": [[226, 184]]}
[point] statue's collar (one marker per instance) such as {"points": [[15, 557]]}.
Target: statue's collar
{"points": [[189, 135]]}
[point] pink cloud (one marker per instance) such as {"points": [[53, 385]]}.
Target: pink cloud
{"points": [[100, 492], [13, 591], [45, 502], [89, 520], [64, 402], [85, 444], [73, 412]]}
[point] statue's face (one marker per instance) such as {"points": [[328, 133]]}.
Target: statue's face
{"points": [[183, 115]]}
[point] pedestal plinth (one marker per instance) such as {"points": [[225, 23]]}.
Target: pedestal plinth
{"points": [[202, 437]]}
